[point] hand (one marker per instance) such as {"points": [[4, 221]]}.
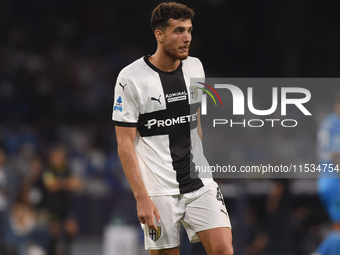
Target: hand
{"points": [[146, 210]]}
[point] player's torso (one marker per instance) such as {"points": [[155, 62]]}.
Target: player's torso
{"points": [[328, 141], [168, 115]]}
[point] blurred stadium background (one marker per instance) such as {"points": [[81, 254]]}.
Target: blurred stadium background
{"points": [[59, 60]]}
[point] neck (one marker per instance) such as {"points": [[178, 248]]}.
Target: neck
{"points": [[163, 61]]}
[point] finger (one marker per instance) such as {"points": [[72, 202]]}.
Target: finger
{"points": [[141, 219], [158, 216], [151, 223]]}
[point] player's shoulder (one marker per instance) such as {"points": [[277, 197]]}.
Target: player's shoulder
{"points": [[136, 68], [192, 60], [193, 66]]}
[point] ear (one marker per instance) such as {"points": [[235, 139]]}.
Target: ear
{"points": [[159, 36]]}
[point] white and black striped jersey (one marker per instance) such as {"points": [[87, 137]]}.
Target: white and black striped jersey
{"points": [[163, 108]]}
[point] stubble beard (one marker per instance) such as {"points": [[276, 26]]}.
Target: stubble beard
{"points": [[172, 52]]}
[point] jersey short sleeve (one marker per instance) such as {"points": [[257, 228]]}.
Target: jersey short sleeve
{"points": [[125, 104]]}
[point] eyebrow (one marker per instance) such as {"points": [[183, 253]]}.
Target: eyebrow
{"points": [[182, 28]]}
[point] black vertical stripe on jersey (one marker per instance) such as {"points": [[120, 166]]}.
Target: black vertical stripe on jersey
{"points": [[179, 135]]}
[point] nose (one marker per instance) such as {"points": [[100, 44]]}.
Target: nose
{"points": [[187, 37]]}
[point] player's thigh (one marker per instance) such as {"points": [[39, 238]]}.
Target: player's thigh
{"points": [[171, 251], [205, 209], [217, 241]]}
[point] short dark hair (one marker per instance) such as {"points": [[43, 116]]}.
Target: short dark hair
{"points": [[162, 13]]}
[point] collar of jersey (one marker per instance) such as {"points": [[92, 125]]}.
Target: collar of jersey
{"points": [[178, 69]]}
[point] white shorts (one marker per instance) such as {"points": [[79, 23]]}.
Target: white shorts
{"points": [[198, 210]]}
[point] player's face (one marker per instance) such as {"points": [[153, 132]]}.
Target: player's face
{"points": [[177, 38]]}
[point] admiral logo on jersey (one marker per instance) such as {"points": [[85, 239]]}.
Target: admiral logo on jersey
{"points": [[119, 104], [178, 96]]}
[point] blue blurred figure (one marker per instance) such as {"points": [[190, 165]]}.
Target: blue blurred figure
{"points": [[328, 148]]}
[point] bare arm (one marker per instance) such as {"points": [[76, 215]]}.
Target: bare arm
{"points": [[146, 209], [199, 127]]}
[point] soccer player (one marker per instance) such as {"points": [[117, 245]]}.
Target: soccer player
{"points": [[328, 141], [156, 116]]}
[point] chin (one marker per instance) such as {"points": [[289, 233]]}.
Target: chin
{"points": [[182, 57], [176, 55]]}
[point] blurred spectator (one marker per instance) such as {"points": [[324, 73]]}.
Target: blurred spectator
{"points": [[36, 191], [23, 231], [257, 238], [3, 198], [34, 185], [60, 184], [278, 216]]}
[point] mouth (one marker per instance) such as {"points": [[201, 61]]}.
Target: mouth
{"points": [[185, 48]]}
